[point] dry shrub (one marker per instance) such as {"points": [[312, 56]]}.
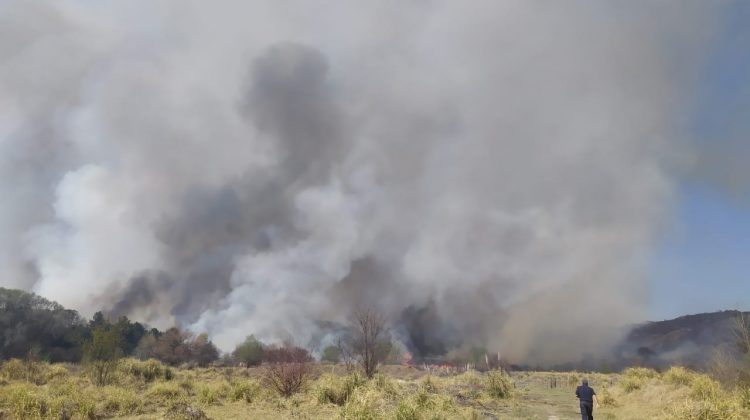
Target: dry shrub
{"points": [[181, 410], [607, 399], [678, 375], [498, 384], [287, 370], [149, 370], [743, 394], [640, 373], [56, 372], [707, 409], [631, 383], [24, 401], [25, 370], [704, 387], [336, 389]]}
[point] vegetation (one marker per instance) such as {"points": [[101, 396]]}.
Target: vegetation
{"points": [[249, 352], [102, 353], [369, 340], [144, 390]]}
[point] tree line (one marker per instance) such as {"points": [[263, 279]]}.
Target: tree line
{"points": [[34, 327]]}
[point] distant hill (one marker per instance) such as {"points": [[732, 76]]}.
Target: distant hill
{"points": [[689, 340]]}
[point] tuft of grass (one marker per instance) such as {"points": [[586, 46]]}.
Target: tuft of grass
{"points": [[498, 384], [120, 401], [148, 371], [337, 390], [212, 393], [704, 388], [166, 392], [363, 404], [247, 391], [25, 401]]}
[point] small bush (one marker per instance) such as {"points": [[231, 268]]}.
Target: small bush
{"points": [[678, 375], [498, 384]]}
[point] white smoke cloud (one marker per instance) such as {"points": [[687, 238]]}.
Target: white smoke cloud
{"points": [[232, 166]]}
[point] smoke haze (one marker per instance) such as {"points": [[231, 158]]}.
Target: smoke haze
{"points": [[486, 173]]}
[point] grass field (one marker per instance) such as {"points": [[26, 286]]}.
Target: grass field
{"points": [[149, 390]]}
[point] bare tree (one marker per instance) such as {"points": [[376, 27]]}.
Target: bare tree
{"points": [[287, 370], [369, 334]]}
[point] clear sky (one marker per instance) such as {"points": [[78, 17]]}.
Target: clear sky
{"points": [[703, 261]]}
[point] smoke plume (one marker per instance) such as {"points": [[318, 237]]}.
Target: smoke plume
{"points": [[486, 173]]}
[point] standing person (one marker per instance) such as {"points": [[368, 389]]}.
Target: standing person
{"points": [[587, 398]]}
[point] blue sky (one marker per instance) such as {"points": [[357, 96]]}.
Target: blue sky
{"points": [[702, 262]]}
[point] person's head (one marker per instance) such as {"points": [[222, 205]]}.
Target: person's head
{"points": [[585, 382]]}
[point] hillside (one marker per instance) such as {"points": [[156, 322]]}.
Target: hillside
{"points": [[687, 340]]}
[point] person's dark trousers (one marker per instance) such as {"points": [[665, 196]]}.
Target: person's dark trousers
{"points": [[587, 411]]}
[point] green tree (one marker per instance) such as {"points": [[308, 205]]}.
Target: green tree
{"points": [[331, 354], [250, 351], [103, 352]]}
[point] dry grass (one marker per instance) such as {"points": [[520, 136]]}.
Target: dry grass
{"points": [[142, 390]]}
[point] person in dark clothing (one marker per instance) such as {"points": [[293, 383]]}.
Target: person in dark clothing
{"points": [[587, 398]]}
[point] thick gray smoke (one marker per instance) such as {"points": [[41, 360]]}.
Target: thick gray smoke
{"points": [[485, 172]]}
